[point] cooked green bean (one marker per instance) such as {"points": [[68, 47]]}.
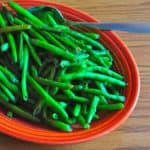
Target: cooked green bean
{"points": [[20, 112], [53, 49], [20, 50], [34, 71], [12, 44], [8, 92], [108, 95], [7, 83], [66, 41], [86, 38], [81, 120], [22, 11], [77, 110], [3, 96], [116, 106], [94, 36], [59, 125], [51, 20], [54, 83], [47, 98], [91, 75], [106, 71], [14, 28], [24, 74], [56, 123], [9, 74], [32, 31], [92, 109], [52, 39], [71, 95], [31, 49]]}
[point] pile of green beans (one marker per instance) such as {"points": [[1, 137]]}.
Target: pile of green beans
{"points": [[53, 74]]}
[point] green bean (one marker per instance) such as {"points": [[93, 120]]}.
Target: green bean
{"points": [[99, 53], [9, 74], [48, 82], [8, 92], [54, 91], [51, 20], [12, 45], [32, 50], [102, 100], [53, 49], [71, 95], [15, 28], [99, 92], [56, 123], [4, 47], [94, 36], [92, 109], [52, 39], [22, 11], [91, 75], [76, 110], [59, 125], [84, 109], [89, 40], [24, 74], [99, 60], [7, 83], [60, 97], [7, 14], [32, 31], [3, 22], [51, 102], [80, 43], [116, 106], [10, 38], [20, 50], [3, 96], [53, 72], [20, 112], [106, 71], [101, 86], [81, 120], [34, 71], [66, 41]]}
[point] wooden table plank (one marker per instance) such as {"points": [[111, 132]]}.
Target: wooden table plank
{"points": [[134, 134]]}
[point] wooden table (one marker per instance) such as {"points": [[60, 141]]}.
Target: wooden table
{"points": [[134, 134]]}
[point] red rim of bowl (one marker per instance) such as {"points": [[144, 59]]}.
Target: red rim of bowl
{"points": [[33, 133]]}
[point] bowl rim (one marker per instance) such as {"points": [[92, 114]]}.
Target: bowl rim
{"points": [[10, 129]]}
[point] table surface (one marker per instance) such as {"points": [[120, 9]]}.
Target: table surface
{"points": [[134, 134]]}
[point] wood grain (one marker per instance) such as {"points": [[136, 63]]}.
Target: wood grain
{"points": [[134, 134]]}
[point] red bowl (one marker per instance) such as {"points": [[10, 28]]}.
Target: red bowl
{"points": [[124, 63]]}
